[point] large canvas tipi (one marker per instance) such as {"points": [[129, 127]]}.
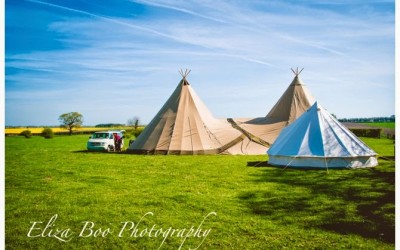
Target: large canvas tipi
{"points": [[318, 140], [262, 132], [184, 125]]}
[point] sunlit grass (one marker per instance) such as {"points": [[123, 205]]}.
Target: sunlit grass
{"points": [[258, 206]]}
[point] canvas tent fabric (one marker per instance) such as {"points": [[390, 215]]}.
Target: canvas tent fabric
{"points": [[263, 131], [316, 139], [293, 103], [184, 126]]}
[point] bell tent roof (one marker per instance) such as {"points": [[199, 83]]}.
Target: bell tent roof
{"points": [[317, 139]]}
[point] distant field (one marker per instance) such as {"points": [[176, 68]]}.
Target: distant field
{"points": [[257, 206], [36, 130], [381, 124]]}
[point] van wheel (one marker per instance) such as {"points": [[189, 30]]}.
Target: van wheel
{"points": [[109, 149]]}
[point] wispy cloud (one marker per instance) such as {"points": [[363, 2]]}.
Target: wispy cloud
{"points": [[239, 52], [108, 19], [180, 9]]}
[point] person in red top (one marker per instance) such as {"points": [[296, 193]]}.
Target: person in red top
{"points": [[117, 142]]}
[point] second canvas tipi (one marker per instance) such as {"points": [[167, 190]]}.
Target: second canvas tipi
{"points": [[262, 132]]}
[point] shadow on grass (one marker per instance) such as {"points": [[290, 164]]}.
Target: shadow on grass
{"points": [[388, 158], [359, 201], [266, 164], [90, 152], [98, 152], [258, 164]]}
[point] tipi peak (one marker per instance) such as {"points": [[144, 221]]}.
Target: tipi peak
{"points": [[184, 74], [296, 72]]}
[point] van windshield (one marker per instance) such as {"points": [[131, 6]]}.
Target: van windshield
{"points": [[100, 136]]}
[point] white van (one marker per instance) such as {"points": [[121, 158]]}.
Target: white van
{"points": [[104, 140]]}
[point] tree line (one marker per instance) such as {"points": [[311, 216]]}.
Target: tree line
{"points": [[370, 119]]}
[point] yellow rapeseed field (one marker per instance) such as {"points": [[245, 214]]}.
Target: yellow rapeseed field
{"points": [[38, 130]]}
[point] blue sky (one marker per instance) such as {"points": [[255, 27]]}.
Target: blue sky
{"points": [[113, 60]]}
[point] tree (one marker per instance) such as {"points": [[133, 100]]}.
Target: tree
{"points": [[134, 122], [27, 133], [47, 133], [70, 121]]}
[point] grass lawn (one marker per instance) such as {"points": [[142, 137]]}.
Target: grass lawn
{"points": [[257, 206]]}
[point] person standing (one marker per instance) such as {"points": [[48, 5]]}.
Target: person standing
{"points": [[117, 142]]}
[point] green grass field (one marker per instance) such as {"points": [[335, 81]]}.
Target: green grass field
{"points": [[381, 124], [257, 206]]}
